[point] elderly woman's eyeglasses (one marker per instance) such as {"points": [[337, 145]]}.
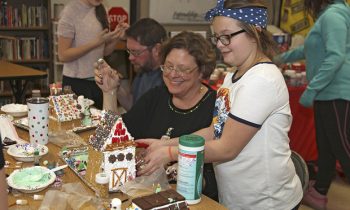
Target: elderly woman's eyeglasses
{"points": [[137, 53], [180, 71], [226, 38]]}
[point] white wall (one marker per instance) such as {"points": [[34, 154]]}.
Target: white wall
{"points": [[179, 11], [108, 4]]}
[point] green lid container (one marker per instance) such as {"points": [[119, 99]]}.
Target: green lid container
{"points": [[191, 140]]}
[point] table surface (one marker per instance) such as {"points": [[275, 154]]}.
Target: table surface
{"points": [[70, 176], [10, 71]]}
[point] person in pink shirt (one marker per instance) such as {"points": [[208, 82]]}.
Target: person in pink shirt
{"points": [[84, 37]]}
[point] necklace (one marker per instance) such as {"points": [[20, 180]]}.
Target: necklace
{"points": [[185, 112]]}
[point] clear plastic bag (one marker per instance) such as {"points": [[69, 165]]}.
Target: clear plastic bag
{"points": [[145, 185], [73, 195], [66, 138]]}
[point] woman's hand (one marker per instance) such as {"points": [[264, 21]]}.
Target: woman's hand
{"points": [[106, 78], [119, 31], [103, 37], [107, 36]]}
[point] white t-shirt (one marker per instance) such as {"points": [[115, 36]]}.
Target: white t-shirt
{"points": [[78, 21], [262, 176]]}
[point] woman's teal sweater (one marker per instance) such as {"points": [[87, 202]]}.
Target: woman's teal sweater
{"points": [[327, 54]]}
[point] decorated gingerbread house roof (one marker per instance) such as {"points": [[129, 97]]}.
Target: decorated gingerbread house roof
{"points": [[65, 107], [111, 134]]}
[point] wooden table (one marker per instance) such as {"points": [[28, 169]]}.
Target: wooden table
{"points": [[70, 176], [15, 74]]}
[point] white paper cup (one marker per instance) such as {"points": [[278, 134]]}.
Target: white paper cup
{"points": [[38, 120]]}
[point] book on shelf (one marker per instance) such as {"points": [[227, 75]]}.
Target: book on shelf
{"points": [[22, 15], [3, 16], [25, 36], [24, 48]]}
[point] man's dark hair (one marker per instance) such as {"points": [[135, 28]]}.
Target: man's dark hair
{"points": [[147, 32]]}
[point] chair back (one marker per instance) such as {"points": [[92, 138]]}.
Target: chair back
{"points": [[301, 169]]}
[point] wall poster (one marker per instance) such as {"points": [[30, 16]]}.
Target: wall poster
{"points": [[180, 11]]}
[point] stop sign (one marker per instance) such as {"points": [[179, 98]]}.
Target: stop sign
{"points": [[117, 15]]}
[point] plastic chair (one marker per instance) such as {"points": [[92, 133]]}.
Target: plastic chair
{"points": [[301, 169]]}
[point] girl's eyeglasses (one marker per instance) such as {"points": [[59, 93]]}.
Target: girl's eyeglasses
{"points": [[226, 38]]}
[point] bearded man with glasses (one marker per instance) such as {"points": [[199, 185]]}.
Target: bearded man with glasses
{"points": [[143, 41]]}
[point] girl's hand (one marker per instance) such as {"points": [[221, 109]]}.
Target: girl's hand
{"points": [[103, 37], [154, 160], [155, 155], [119, 31], [152, 144]]}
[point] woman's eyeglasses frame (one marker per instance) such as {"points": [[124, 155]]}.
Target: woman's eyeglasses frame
{"points": [[182, 72]]}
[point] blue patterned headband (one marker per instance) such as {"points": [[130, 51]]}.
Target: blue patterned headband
{"points": [[251, 15]]}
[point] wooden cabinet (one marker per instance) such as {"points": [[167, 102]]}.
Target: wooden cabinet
{"points": [[26, 37]]}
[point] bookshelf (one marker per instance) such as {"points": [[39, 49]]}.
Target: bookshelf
{"points": [[25, 38], [57, 65]]}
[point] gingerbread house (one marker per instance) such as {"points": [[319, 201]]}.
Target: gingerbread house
{"points": [[65, 107], [117, 145], [168, 199]]}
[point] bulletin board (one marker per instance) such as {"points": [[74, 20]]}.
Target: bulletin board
{"points": [[180, 11], [294, 20]]}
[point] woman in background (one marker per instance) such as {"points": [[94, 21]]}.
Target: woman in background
{"points": [[248, 139], [327, 55], [83, 38]]}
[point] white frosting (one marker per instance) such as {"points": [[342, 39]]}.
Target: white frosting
{"points": [[14, 108]]}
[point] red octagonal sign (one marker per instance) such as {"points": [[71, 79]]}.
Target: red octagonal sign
{"points": [[117, 15]]}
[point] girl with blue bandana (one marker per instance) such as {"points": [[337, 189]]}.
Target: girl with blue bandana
{"points": [[327, 54], [248, 138]]}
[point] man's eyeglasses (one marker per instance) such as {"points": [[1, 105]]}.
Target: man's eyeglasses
{"points": [[137, 53], [226, 38], [180, 71]]}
